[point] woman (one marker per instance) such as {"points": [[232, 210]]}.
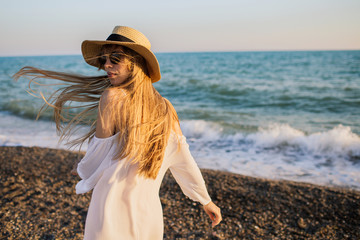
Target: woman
{"points": [[134, 140]]}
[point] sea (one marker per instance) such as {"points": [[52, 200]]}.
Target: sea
{"points": [[291, 115]]}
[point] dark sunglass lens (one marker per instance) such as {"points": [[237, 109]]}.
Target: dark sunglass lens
{"points": [[115, 58]]}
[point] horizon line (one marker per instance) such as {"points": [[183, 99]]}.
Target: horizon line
{"points": [[215, 51]]}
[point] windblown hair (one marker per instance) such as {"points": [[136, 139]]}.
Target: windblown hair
{"points": [[142, 117]]}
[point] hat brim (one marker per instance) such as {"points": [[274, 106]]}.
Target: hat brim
{"points": [[91, 49]]}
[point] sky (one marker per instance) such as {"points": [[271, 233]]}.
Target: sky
{"points": [[47, 27]]}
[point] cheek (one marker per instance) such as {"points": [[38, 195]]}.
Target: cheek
{"points": [[124, 71], [122, 68]]}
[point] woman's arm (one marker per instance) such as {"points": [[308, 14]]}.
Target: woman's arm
{"points": [[210, 208]]}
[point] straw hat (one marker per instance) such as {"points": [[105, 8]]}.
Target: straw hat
{"points": [[127, 37]]}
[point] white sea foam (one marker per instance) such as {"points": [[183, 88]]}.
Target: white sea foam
{"points": [[275, 135], [16, 131], [200, 129], [278, 151], [339, 141]]}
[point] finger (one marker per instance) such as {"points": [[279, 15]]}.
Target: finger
{"points": [[217, 220], [210, 214]]}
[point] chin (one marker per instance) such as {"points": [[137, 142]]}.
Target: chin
{"points": [[114, 82]]}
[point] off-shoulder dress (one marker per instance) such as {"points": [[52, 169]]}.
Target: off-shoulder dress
{"points": [[125, 205]]}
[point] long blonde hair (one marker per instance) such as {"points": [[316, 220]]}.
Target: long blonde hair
{"points": [[143, 117]]}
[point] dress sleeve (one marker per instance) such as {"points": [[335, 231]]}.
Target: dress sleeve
{"points": [[97, 158], [187, 174]]}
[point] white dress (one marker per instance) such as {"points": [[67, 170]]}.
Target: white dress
{"points": [[125, 205]]}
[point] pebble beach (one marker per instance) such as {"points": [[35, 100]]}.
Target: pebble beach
{"points": [[38, 201]]}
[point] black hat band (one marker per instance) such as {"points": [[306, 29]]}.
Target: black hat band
{"points": [[119, 38]]}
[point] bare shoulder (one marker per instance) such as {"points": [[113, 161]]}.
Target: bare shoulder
{"points": [[113, 92], [110, 95]]}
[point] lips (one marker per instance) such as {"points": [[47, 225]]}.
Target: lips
{"points": [[111, 75]]}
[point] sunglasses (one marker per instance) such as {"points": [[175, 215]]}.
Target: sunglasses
{"points": [[114, 58]]}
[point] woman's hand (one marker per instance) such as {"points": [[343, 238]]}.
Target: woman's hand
{"points": [[214, 213]]}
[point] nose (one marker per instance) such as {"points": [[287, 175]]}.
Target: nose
{"points": [[107, 64]]}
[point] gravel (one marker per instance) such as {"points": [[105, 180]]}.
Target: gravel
{"points": [[38, 201]]}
